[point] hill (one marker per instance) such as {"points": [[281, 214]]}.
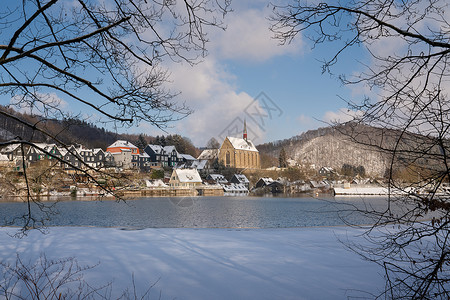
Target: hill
{"points": [[351, 144], [75, 131]]}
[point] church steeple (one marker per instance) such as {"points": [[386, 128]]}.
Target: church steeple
{"points": [[245, 131]]}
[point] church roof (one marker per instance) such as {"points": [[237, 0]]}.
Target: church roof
{"points": [[241, 144]]}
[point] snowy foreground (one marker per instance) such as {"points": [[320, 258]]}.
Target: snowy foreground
{"points": [[299, 263]]}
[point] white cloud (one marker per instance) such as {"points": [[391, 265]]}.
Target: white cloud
{"points": [[340, 116], [307, 122], [248, 38], [210, 89], [45, 104]]}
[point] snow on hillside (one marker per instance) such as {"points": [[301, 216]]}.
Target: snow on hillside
{"points": [[297, 263]]}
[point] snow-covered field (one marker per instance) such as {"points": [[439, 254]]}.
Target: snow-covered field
{"points": [[297, 263]]}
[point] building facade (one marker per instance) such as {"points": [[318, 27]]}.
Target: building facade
{"points": [[186, 178], [239, 153], [126, 155]]}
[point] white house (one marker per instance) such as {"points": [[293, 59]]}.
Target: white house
{"points": [[185, 178]]}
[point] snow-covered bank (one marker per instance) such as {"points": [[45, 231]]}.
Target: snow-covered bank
{"points": [[366, 191], [298, 263]]}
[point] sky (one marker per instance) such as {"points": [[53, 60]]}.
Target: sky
{"points": [[278, 90]]}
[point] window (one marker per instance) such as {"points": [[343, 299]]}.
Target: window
{"points": [[227, 159]]}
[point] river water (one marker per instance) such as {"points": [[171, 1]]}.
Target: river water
{"points": [[203, 212]]}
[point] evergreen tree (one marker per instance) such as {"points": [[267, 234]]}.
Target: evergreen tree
{"points": [[162, 141], [141, 143], [282, 159]]}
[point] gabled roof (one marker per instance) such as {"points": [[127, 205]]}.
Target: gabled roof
{"points": [[266, 180], [155, 148], [187, 157], [63, 151], [241, 144], [122, 144], [81, 149], [187, 175], [219, 178], [38, 150], [199, 164], [155, 183], [209, 154], [10, 148], [97, 150], [169, 149], [241, 178], [235, 187]]}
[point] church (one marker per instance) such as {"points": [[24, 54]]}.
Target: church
{"points": [[239, 153]]}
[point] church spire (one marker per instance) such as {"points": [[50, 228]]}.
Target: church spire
{"points": [[245, 131]]}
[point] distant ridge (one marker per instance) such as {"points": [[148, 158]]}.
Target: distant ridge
{"points": [[69, 131], [353, 144], [75, 131]]}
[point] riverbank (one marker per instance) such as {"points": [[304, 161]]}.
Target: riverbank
{"points": [[298, 263], [85, 194], [362, 191]]}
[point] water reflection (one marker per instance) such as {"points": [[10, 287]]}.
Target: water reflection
{"points": [[206, 212]]}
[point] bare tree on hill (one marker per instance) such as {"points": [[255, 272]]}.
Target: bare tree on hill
{"points": [[99, 58], [407, 79]]}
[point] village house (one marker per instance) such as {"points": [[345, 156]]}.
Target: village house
{"points": [[299, 186], [240, 179], [144, 162], [12, 151], [100, 158], [187, 178], [188, 161], [157, 155], [234, 189], [209, 154], [274, 186], [126, 155], [87, 156], [205, 160], [42, 151], [326, 171], [124, 159], [168, 156], [174, 158], [202, 166], [217, 178], [263, 182], [239, 153], [120, 145], [36, 153]]}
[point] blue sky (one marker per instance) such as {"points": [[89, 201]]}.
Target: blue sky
{"points": [[243, 63]]}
